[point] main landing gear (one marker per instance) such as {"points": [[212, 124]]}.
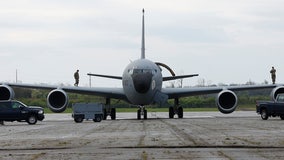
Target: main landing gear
{"points": [[109, 111], [176, 109], [141, 111]]}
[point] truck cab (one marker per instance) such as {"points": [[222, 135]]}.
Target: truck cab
{"points": [[280, 98], [271, 108]]}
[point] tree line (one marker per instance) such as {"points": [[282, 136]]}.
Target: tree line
{"points": [[37, 97]]}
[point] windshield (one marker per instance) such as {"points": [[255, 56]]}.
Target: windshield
{"points": [[138, 71]]}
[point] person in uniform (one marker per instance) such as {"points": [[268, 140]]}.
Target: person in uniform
{"points": [[76, 76], [273, 74]]}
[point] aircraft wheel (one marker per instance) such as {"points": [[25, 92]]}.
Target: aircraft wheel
{"points": [[139, 114], [105, 115], [145, 114], [171, 112], [113, 114], [180, 112]]}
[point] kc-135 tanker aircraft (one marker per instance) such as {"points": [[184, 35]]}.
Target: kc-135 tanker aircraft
{"points": [[141, 85]]}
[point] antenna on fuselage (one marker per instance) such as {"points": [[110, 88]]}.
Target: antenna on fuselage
{"points": [[143, 37]]}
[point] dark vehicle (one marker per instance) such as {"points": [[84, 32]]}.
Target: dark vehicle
{"points": [[17, 111], [271, 108]]}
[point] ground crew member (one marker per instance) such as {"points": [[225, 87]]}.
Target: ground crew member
{"points": [[76, 76], [273, 74]]}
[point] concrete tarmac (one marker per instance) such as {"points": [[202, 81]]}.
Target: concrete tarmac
{"points": [[199, 135]]}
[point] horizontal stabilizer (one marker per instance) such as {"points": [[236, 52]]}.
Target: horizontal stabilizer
{"points": [[105, 76], [178, 77]]}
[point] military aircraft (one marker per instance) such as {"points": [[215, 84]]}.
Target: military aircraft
{"points": [[141, 85]]}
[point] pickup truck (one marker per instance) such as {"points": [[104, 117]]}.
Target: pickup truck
{"points": [[13, 110], [271, 108]]}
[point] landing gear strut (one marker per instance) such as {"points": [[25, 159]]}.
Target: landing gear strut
{"points": [[176, 109], [109, 111], [141, 111]]}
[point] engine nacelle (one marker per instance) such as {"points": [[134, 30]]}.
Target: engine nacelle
{"points": [[6, 92], [57, 100], [276, 91], [227, 101]]}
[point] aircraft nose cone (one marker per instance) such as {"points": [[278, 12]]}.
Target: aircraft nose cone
{"points": [[142, 82]]}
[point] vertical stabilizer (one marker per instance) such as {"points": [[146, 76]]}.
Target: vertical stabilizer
{"points": [[143, 38]]}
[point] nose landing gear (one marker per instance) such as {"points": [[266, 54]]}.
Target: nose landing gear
{"points": [[141, 111]]}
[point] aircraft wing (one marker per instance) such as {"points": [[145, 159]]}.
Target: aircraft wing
{"points": [[183, 92], [105, 76], [178, 77], [116, 93]]}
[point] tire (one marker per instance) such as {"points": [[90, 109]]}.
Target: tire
{"points": [[145, 114], [180, 112], [78, 120], [32, 119], [171, 112], [264, 114], [105, 114], [98, 119], [113, 114], [139, 114]]}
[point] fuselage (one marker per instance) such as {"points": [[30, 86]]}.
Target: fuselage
{"points": [[141, 80]]}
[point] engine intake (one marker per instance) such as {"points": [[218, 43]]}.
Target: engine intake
{"points": [[276, 91], [226, 101], [6, 92], [57, 100]]}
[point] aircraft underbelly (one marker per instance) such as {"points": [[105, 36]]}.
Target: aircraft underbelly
{"points": [[141, 99]]}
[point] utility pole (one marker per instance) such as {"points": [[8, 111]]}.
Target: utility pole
{"points": [[90, 81], [16, 76]]}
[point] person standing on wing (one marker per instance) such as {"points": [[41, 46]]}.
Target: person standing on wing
{"points": [[76, 76], [273, 74]]}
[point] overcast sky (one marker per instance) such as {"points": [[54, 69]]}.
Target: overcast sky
{"points": [[224, 41]]}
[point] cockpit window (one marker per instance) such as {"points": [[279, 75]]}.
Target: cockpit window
{"points": [[137, 71]]}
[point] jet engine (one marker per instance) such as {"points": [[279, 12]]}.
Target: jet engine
{"points": [[6, 92], [276, 91], [226, 101], [57, 100]]}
